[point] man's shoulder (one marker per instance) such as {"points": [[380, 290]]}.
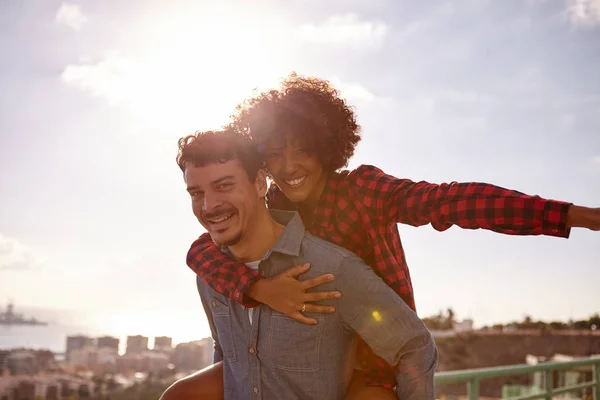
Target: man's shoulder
{"points": [[316, 249]]}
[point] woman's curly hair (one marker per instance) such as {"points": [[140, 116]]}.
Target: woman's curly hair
{"points": [[308, 108]]}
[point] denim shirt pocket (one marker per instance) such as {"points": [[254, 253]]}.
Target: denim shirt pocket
{"points": [[294, 346], [222, 320]]}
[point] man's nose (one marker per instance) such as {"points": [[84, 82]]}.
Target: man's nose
{"points": [[211, 201]]}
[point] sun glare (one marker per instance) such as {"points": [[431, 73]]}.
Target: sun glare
{"points": [[193, 73]]}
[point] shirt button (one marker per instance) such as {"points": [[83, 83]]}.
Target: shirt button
{"points": [[255, 390], [554, 230], [251, 350], [214, 303], [237, 294]]}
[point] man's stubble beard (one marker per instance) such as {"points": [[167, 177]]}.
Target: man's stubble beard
{"points": [[239, 237], [232, 242]]}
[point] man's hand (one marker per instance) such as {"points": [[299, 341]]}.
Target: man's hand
{"points": [[584, 217], [286, 294]]}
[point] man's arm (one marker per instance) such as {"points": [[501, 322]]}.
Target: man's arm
{"points": [[283, 293], [468, 205], [390, 327]]}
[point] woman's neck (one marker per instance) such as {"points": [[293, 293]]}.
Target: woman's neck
{"points": [[306, 208]]}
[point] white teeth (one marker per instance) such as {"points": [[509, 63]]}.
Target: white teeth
{"points": [[220, 219], [296, 182]]}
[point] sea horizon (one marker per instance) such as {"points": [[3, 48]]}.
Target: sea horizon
{"points": [[181, 326]]}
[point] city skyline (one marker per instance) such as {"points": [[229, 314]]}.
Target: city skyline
{"points": [[95, 219]]}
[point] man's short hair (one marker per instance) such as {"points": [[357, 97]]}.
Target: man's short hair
{"points": [[209, 147]]}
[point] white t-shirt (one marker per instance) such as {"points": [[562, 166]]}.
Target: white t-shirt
{"points": [[253, 265]]}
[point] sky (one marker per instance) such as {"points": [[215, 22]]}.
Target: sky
{"points": [[94, 217]]}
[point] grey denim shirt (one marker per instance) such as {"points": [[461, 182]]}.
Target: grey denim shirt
{"points": [[276, 357]]}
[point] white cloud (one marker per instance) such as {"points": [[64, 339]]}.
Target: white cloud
{"points": [[178, 91], [356, 93], [584, 12], [14, 255], [345, 30], [352, 91], [112, 78], [71, 16]]}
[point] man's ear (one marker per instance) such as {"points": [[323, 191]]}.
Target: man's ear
{"points": [[261, 183]]}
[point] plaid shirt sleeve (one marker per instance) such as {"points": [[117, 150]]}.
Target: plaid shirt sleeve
{"points": [[222, 273], [471, 205]]}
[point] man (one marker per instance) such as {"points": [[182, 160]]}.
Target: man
{"points": [[307, 133], [265, 354]]}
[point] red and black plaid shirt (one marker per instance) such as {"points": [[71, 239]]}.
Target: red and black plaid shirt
{"points": [[360, 209]]}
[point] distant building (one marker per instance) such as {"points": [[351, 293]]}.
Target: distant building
{"points": [[26, 391], [136, 344], [128, 364], [47, 387], [163, 343], [45, 360], [97, 360], [153, 362], [22, 362], [208, 350], [4, 359], [147, 361], [193, 356], [78, 342], [108, 342], [466, 325]]}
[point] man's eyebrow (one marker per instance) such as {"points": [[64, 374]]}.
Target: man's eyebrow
{"points": [[217, 181]]}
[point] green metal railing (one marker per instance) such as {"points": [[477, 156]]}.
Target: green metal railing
{"points": [[472, 377]]}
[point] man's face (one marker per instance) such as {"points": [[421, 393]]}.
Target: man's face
{"points": [[294, 169], [224, 200]]}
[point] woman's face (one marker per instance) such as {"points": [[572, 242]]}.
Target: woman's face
{"points": [[295, 169]]}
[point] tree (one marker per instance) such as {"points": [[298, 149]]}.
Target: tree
{"points": [[557, 325], [581, 325], [594, 320], [449, 323]]}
